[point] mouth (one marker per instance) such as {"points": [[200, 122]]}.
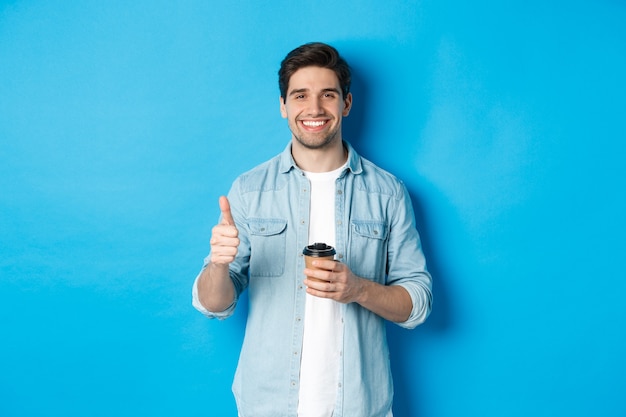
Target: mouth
{"points": [[314, 124]]}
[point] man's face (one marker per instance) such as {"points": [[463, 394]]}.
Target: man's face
{"points": [[314, 107]]}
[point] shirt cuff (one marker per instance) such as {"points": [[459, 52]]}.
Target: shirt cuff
{"points": [[422, 303]]}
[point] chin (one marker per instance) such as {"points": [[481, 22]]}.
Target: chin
{"points": [[326, 142]]}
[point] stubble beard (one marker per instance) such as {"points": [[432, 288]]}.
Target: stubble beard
{"points": [[315, 144]]}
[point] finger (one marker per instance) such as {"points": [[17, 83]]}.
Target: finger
{"points": [[225, 241], [224, 231], [220, 259], [327, 265], [227, 217]]}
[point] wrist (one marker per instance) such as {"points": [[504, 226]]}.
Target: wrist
{"points": [[362, 294], [215, 266]]}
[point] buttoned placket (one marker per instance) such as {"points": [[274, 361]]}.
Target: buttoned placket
{"points": [[302, 233], [341, 245]]}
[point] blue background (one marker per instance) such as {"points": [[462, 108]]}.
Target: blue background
{"points": [[122, 122]]}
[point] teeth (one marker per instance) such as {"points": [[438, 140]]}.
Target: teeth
{"points": [[314, 124]]}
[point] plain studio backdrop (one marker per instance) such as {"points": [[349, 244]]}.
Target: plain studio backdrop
{"points": [[121, 123]]}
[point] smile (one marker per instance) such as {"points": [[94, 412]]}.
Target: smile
{"points": [[314, 123]]}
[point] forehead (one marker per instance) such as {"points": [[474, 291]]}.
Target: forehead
{"points": [[313, 78]]}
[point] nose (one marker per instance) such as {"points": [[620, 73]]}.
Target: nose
{"points": [[315, 107]]}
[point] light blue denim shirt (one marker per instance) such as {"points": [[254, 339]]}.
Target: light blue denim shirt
{"points": [[376, 237]]}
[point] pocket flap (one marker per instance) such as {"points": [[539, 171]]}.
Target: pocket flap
{"points": [[266, 227], [371, 229]]}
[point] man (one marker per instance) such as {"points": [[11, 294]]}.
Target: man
{"points": [[315, 341]]}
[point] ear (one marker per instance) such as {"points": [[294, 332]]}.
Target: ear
{"points": [[347, 105], [283, 108]]}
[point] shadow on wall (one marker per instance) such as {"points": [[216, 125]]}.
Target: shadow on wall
{"points": [[405, 346], [354, 124]]}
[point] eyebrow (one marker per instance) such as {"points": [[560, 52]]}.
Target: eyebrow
{"points": [[306, 90]]}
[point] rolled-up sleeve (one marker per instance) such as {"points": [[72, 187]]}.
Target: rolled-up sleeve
{"points": [[421, 297]]}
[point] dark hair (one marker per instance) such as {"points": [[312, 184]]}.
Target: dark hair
{"points": [[314, 54]]}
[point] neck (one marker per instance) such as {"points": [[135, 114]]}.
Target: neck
{"points": [[319, 160]]}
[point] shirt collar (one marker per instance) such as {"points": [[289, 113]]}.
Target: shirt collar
{"points": [[354, 160]]}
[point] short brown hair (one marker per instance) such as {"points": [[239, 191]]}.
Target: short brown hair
{"points": [[314, 54]]}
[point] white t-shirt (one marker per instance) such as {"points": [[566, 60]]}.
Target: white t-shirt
{"points": [[323, 327]]}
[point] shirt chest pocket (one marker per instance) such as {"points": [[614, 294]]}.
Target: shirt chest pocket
{"points": [[368, 249], [267, 246]]}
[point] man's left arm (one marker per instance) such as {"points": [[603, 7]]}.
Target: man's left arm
{"points": [[391, 302], [405, 296]]}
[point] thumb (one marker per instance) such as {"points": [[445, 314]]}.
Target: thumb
{"points": [[227, 217]]}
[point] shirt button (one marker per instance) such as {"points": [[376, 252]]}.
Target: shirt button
{"points": [[339, 192]]}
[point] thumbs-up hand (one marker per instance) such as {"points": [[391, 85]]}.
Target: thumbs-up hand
{"points": [[224, 238]]}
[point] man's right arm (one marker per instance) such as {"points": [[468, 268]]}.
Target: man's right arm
{"points": [[216, 291]]}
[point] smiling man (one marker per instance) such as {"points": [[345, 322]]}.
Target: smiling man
{"points": [[314, 107], [315, 341]]}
